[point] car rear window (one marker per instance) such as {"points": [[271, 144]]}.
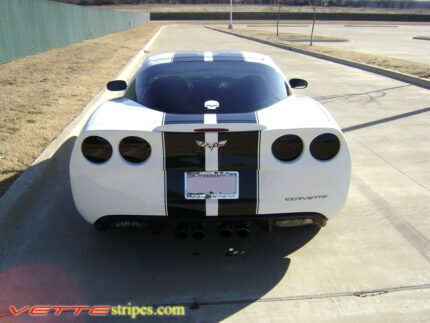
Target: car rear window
{"points": [[208, 87]]}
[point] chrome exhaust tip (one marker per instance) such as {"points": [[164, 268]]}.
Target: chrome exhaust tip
{"points": [[226, 230], [197, 232], [243, 230], [181, 231]]}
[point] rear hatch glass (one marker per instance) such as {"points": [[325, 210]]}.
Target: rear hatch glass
{"points": [[208, 87]]}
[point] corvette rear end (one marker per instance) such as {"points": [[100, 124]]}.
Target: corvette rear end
{"points": [[210, 137]]}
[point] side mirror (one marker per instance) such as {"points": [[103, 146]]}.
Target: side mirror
{"points": [[298, 84], [117, 85]]}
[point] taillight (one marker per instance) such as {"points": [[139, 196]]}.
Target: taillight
{"points": [[134, 149], [287, 148], [325, 146], [96, 149]]}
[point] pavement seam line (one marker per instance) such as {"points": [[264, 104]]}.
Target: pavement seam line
{"points": [[359, 293], [391, 164], [418, 240]]}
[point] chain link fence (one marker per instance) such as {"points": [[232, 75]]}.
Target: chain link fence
{"points": [[32, 26]]}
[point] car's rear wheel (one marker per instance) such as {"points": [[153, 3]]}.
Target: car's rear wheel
{"points": [[102, 224]]}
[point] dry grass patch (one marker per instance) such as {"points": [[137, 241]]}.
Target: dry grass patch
{"points": [[41, 94], [291, 37], [403, 66]]}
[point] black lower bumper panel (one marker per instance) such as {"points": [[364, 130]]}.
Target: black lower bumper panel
{"points": [[317, 218]]}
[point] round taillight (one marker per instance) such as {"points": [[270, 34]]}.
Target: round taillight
{"points": [[325, 146], [134, 149], [96, 149], [287, 148]]}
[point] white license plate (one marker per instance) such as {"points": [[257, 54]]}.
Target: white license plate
{"points": [[211, 185]]}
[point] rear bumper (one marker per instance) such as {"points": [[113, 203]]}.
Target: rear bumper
{"points": [[317, 218]]}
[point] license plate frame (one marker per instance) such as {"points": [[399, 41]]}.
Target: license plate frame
{"points": [[229, 180]]}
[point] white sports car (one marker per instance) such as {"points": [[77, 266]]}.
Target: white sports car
{"points": [[202, 136]]}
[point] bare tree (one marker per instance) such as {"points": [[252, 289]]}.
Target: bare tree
{"points": [[279, 18], [313, 4]]}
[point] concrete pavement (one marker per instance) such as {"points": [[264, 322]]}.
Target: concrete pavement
{"points": [[391, 40], [371, 262]]}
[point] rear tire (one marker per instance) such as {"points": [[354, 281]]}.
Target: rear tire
{"points": [[101, 225]]}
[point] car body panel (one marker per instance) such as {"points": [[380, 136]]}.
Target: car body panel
{"points": [[155, 188]]}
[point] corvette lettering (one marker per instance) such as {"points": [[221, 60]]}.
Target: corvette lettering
{"points": [[211, 146], [305, 198]]}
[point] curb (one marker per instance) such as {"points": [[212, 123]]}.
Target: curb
{"points": [[17, 197], [407, 78]]}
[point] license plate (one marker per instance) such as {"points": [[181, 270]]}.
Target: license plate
{"points": [[211, 185]]}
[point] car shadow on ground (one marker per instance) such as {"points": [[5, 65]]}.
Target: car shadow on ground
{"points": [[8, 181], [52, 256]]}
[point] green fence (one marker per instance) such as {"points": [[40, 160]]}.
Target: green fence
{"points": [[32, 26]]}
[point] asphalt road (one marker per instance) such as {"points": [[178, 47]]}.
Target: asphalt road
{"points": [[391, 40], [372, 262]]}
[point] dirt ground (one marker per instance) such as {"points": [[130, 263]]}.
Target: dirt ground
{"points": [[43, 93], [412, 68]]}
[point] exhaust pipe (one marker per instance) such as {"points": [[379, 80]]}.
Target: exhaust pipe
{"points": [[197, 231], [181, 231], [243, 230], [226, 230]]}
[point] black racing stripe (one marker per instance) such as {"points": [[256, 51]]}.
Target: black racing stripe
{"points": [[240, 153], [171, 118], [228, 56], [181, 154], [188, 57], [177, 205], [237, 118]]}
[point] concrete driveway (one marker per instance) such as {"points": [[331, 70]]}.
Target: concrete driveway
{"points": [[391, 39], [372, 262]]}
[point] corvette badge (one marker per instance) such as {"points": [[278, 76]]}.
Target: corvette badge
{"points": [[211, 146]]}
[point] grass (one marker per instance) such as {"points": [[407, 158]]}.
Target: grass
{"points": [[53, 87], [292, 37]]}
